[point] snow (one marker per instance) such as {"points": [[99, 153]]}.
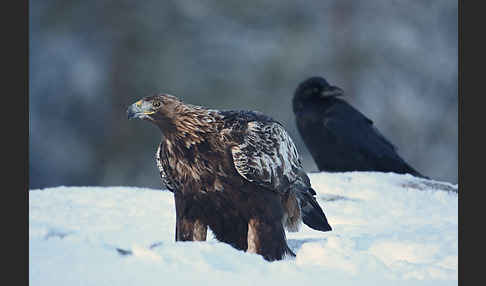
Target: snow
{"points": [[387, 228]]}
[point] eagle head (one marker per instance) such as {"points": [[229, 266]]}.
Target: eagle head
{"points": [[152, 107], [172, 116]]}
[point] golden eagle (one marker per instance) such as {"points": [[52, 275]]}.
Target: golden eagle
{"points": [[236, 172], [339, 137]]}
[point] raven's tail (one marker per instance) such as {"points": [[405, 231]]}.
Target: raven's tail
{"points": [[312, 214], [418, 174], [407, 169]]}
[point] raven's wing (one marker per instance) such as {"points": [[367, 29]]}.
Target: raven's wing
{"points": [[353, 129], [359, 133]]}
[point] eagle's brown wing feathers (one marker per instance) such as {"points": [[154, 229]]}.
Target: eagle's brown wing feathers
{"points": [[267, 156]]}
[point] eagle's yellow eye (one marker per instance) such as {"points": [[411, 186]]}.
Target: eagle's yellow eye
{"points": [[156, 104]]}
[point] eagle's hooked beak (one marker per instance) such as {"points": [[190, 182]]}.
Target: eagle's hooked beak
{"points": [[332, 91], [140, 109]]}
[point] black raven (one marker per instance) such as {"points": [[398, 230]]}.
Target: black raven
{"points": [[339, 137]]}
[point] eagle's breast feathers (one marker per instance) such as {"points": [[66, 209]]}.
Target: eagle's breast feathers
{"points": [[163, 173]]}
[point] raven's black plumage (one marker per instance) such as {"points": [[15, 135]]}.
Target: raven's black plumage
{"points": [[236, 172], [339, 137]]}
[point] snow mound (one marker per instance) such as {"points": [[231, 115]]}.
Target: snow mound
{"points": [[387, 228]]}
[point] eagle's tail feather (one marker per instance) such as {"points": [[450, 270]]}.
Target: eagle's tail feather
{"points": [[312, 214]]}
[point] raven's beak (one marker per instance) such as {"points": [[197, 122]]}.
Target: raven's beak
{"points": [[139, 109], [332, 91]]}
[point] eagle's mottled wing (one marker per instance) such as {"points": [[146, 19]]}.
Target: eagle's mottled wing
{"points": [[267, 156], [163, 175]]}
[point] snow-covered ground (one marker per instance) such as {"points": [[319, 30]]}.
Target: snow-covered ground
{"points": [[387, 228]]}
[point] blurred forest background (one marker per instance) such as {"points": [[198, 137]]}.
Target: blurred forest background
{"points": [[397, 62]]}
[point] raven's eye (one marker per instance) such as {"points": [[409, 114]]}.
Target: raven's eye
{"points": [[156, 104]]}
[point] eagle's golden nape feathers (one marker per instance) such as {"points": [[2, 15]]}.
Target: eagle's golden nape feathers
{"points": [[236, 172]]}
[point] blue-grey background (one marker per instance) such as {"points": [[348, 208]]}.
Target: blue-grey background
{"points": [[397, 61]]}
